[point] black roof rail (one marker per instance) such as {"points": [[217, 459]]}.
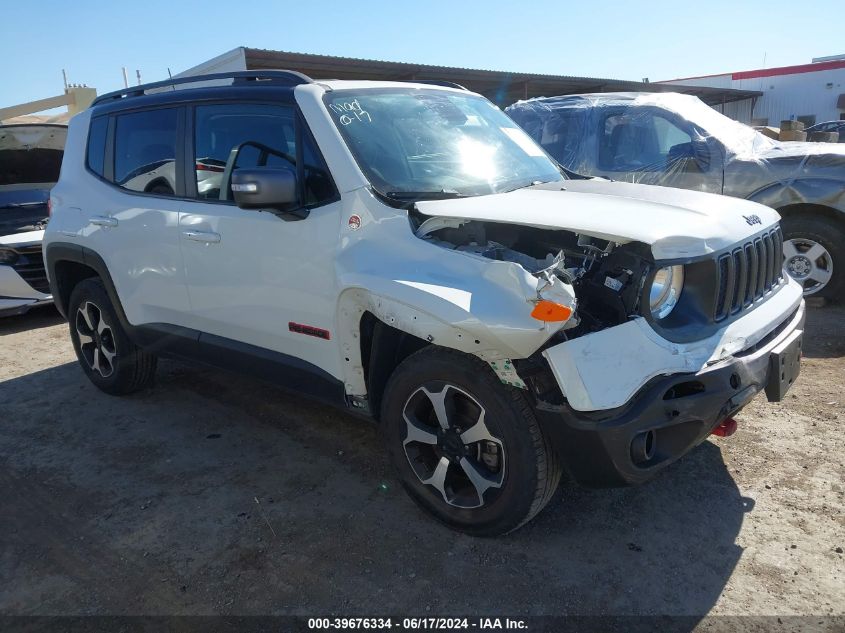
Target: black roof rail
{"points": [[437, 82], [284, 77]]}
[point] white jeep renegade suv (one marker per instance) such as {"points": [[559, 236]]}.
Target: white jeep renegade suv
{"points": [[403, 250]]}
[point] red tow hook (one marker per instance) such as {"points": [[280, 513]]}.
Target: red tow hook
{"points": [[725, 429]]}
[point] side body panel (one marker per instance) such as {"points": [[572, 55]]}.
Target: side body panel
{"points": [[264, 274], [740, 181], [137, 235]]}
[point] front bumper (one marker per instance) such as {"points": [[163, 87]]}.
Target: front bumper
{"points": [[16, 295], [604, 448], [10, 306]]}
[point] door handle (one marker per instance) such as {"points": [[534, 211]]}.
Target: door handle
{"points": [[207, 237], [102, 220]]}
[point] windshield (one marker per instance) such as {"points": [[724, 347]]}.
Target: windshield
{"points": [[416, 143]]}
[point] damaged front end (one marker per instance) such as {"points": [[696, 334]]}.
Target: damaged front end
{"points": [[625, 386], [584, 284]]}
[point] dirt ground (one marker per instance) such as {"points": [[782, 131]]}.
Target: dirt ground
{"points": [[214, 494]]}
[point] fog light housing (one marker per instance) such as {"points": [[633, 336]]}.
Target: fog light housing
{"points": [[8, 257]]}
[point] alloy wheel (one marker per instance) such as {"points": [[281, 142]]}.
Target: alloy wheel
{"points": [[450, 447], [808, 262], [96, 339]]}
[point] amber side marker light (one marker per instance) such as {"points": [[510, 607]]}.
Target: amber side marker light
{"points": [[550, 311]]}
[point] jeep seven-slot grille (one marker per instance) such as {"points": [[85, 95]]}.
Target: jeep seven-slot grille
{"points": [[30, 266], [748, 272]]}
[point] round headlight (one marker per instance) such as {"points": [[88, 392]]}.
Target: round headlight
{"points": [[666, 290]]}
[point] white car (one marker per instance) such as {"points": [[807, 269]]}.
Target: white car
{"points": [[23, 281], [30, 158], [405, 252]]}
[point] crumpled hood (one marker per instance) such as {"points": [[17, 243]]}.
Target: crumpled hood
{"points": [[676, 223]]}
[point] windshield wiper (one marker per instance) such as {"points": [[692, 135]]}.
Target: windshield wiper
{"points": [[443, 194], [526, 185]]}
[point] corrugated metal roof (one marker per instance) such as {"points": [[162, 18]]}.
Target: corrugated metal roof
{"points": [[502, 87]]}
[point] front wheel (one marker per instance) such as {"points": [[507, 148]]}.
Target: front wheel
{"points": [[814, 255], [466, 447]]}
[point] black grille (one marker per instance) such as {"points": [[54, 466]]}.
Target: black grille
{"points": [[748, 272], [30, 266]]}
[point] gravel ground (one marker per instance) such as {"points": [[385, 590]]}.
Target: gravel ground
{"points": [[214, 494]]}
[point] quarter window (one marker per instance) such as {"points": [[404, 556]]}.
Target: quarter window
{"points": [[145, 151], [97, 145]]}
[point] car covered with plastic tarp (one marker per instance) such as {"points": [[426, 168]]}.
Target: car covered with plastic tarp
{"points": [[676, 140]]}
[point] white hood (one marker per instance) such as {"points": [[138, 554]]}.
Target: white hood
{"points": [[676, 223]]}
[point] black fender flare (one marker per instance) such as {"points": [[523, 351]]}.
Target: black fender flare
{"points": [[57, 252]]}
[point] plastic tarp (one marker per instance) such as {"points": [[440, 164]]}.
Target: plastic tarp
{"points": [[669, 139]]}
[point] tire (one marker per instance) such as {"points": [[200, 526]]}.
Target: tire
{"points": [[519, 468], [107, 356], [801, 233]]}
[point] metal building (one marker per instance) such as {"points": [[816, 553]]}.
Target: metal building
{"points": [[501, 87], [811, 93]]}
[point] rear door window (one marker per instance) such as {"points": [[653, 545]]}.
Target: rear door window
{"points": [[145, 151]]}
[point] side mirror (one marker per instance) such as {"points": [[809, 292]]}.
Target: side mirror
{"points": [[701, 153], [690, 157], [264, 188]]}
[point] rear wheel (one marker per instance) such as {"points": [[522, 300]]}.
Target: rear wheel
{"points": [[814, 255], [110, 360], [467, 447]]}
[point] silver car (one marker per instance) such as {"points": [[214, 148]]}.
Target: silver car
{"points": [[676, 140]]}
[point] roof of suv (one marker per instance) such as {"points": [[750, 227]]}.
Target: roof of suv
{"points": [[282, 82], [610, 97]]}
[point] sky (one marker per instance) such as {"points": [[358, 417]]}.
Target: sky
{"points": [[92, 41]]}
